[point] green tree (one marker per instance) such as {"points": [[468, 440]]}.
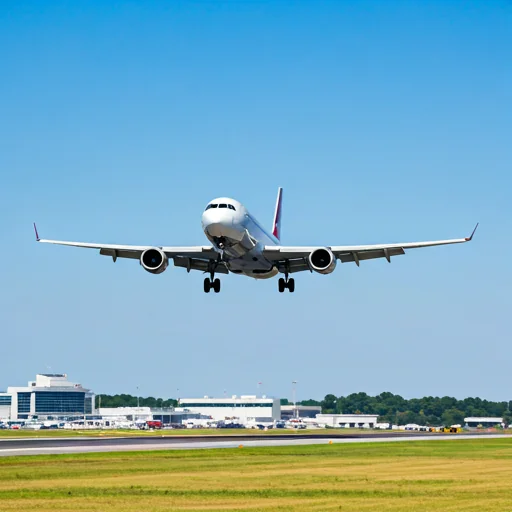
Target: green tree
{"points": [[408, 417], [452, 417], [131, 401], [507, 418], [310, 402], [329, 404]]}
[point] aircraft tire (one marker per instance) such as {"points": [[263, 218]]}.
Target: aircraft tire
{"points": [[216, 285], [291, 285], [281, 285], [207, 285]]}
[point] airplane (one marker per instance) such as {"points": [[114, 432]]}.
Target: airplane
{"points": [[240, 245]]}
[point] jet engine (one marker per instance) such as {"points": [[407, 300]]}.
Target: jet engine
{"points": [[154, 260], [322, 261]]}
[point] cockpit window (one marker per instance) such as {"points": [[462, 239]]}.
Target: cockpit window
{"points": [[222, 205]]}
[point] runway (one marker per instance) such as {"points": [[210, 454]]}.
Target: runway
{"points": [[53, 446]]}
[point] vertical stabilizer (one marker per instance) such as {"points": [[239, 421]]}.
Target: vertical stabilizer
{"points": [[276, 227]]}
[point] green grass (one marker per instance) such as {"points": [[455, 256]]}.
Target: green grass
{"points": [[421, 475]]}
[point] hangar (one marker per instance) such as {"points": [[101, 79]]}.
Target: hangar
{"points": [[347, 420], [483, 421]]}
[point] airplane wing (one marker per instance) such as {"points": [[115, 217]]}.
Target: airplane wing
{"points": [[191, 258], [295, 259]]}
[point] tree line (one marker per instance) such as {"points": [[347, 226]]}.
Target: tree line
{"points": [[132, 401]]}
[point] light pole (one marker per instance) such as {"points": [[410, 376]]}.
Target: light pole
{"points": [[138, 396], [294, 397]]}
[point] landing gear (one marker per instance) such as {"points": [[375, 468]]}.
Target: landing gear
{"points": [[284, 284], [210, 283]]}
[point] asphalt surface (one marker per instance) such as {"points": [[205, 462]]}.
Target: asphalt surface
{"points": [[51, 446]]}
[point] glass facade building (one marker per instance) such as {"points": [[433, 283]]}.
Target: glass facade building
{"points": [[23, 403], [5, 400], [55, 402], [50, 395]]}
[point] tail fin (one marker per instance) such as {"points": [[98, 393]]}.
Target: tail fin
{"points": [[276, 227]]}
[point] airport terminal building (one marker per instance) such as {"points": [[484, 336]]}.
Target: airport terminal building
{"points": [[50, 395]]}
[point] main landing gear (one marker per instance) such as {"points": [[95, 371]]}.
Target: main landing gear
{"points": [[210, 283], [286, 284]]}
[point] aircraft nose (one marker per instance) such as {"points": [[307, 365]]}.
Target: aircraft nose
{"points": [[214, 220], [220, 223]]}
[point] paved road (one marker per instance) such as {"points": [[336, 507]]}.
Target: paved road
{"points": [[44, 446]]}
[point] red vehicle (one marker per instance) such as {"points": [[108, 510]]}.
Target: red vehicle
{"points": [[154, 424]]}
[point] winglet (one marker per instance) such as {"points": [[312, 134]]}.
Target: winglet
{"points": [[37, 234], [276, 225], [468, 239]]}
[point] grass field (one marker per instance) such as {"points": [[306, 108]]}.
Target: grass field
{"points": [[473, 475]]}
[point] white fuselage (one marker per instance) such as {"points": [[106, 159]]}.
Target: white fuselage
{"points": [[238, 237]]}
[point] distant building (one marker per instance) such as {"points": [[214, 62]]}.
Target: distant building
{"points": [[5, 405], [483, 421], [243, 409], [141, 414], [49, 395], [299, 411], [347, 420]]}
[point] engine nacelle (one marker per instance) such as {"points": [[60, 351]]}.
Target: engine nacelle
{"points": [[154, 260], [322, 261]]}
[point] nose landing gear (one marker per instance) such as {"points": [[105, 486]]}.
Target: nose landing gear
{"points": [[286, 283], [211, 283], [220, 241]]}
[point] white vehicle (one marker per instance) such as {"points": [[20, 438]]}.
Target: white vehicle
{"points": [[240, 245]]}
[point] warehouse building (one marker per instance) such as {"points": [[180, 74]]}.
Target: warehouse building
{"points": [[483, 422], [50, 395], [347, 420], [243, 409]]}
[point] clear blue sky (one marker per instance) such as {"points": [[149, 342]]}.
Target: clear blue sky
{"points": [[383, 121]]}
